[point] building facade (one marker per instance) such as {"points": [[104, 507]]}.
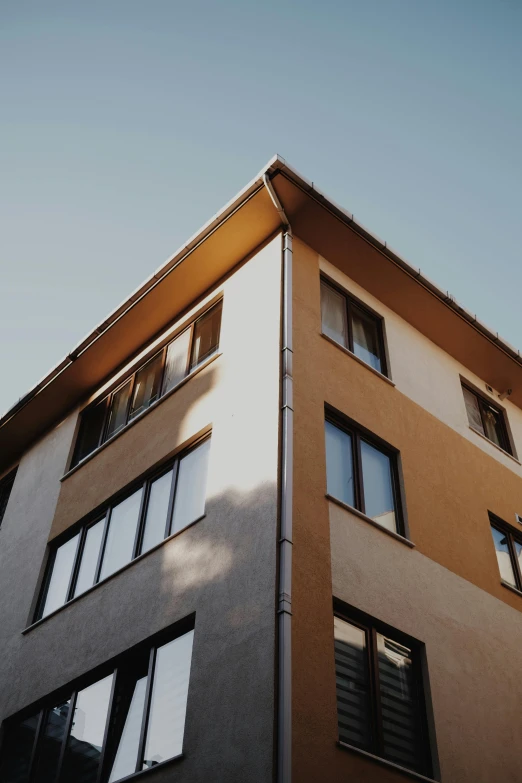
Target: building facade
{"points": [[261, 524]]}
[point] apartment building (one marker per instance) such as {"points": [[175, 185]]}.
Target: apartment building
{"points": [[261, 524]]}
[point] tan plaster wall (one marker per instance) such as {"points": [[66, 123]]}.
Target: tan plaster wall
{"points": [[450, 483]]}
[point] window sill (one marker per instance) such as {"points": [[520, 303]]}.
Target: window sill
{"points": [[385, 763], [353, 356], [161, 765], [371, 521], [107, 579], [499, 448], [137, 418], [510, 587]]}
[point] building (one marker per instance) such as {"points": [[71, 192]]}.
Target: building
{"points": [[261, 524]]}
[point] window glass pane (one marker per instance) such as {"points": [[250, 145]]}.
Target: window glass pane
{"points": [[90, 433], [168, 701], [61, 575], [339, 464], [84, 744], [191, 487], [50, 743], [473, 411], [206, 336], [147, 386], [17, 749], [122, 531], [399, 710], [518, 554], [176, 362], [378, 487], [132, 705], [352, 685], [504, 559], [91, 551], [118, 410], [365, 331], [333, 315], [157, 509], [493, 425]]}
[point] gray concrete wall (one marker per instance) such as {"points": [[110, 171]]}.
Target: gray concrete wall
{"points": [[223, 568]]}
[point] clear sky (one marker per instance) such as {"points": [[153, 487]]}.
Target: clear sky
{"points": [[125, 125]]}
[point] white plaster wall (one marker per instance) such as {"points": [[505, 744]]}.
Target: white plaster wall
{"points": [[431, 377]]}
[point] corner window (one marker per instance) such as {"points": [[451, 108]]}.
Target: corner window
{"points": [[508, 548], [128, 720], [486, 419], [363, 474], [380, 701], [353, 326], [159, 375], [6, 485], [158, 507]]}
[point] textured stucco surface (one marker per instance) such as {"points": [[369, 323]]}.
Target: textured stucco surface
{"points": [[223, 568], [451, 579]]}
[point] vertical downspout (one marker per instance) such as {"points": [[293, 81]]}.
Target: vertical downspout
{"points": [[284, 603]]}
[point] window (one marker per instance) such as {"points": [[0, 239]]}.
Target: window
{"points": [[129, 719], [486, 419], [154, 510], [6, 485], [508, 546], [159, 375], [363, 474], [380, 701], [353, 326]]}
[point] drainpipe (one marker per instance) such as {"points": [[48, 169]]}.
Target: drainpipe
{"points": [[284, 604]]}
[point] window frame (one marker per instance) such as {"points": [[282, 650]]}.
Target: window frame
{"points": [[106, 400], [352, 301], [482, 400], [6, 487], [119, 667], [357, 434], [511, 535], [371, 628], [103, 514]]}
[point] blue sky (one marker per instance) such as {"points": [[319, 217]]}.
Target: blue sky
{"points": [[125, 125]]}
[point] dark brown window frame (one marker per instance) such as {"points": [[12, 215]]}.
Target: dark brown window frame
{"points": [[104, 513], [6, 487], [482, 400], [371, 627], [106, 400], [353, 301], [118, 667], [357, 433], [511, 536]]}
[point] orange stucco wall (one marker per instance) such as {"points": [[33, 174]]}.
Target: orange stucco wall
{"points": [[450, 484]]}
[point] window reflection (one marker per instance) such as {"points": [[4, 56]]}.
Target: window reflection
{"points": [[365, 338], [378, 488], [146, 386], [51, 742], [333, 313], [206, 336], [84, 744], [505, 565], [61, 576], [352, 682], [90, 555], [118, 410], [121, 536], [157, 510], [191, 487], [168, 701], [339, 464]]}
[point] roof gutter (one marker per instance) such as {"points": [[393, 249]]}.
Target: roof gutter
{"points": [[284, 601]]}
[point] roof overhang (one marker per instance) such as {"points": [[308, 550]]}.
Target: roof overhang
{"points": [[228, 238]]}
